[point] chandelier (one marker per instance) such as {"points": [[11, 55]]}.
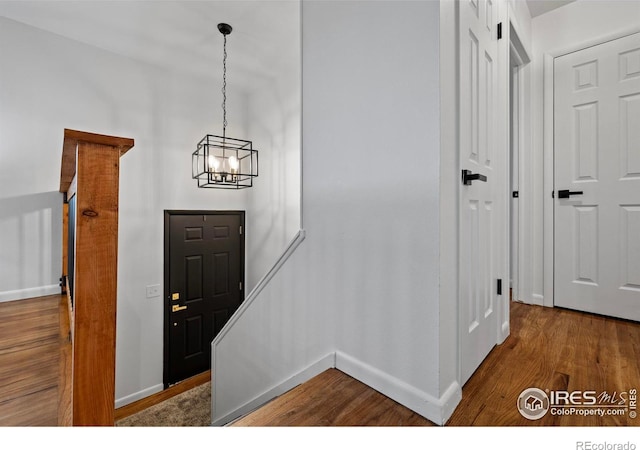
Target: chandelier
{"points": [[220, 161]]}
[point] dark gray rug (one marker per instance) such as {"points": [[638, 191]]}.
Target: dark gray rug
{"points": [[189, 409]]}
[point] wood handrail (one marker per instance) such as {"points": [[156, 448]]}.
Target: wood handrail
{"points": [[71, 139]]}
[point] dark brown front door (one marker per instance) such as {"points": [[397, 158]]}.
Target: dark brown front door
{"points": [[204, 277]]}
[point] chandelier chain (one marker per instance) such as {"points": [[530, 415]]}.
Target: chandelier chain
{"points": [[224, 89]]}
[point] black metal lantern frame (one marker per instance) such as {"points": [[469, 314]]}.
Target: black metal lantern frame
{"points": [[220, 161], [224, 162]]}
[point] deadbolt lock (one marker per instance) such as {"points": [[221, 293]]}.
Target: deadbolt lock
{"points": [[176, 308]]}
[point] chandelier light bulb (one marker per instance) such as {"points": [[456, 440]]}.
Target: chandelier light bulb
{"points": [[214, 163], [233, 164]]}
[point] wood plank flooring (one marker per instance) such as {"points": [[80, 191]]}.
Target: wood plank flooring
{"points": [[549, 348], [553, 348], [29, 361], [333, 399], [35, 365]]}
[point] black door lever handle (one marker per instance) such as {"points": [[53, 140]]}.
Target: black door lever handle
{"points": [[468, 177], [566, 193]]}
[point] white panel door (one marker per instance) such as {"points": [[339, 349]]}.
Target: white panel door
{"points": [[597, 153], [479, 212]]}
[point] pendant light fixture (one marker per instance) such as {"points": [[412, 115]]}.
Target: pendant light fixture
{"points": [[220, 161]]}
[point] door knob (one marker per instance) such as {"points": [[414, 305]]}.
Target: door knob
{"points": [[176, 308], [566, 193], [468, 177]]}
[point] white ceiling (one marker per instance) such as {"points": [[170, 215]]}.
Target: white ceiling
{"points": [[179, 35], [537, 7], [182, 35]]}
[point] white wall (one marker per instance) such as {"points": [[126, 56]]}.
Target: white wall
{"points": [[30, 205], [48, 83], [365, 282], [380, 112], [273, 119], [29, 264], [562, 29], [519, 13], [449, 388]]}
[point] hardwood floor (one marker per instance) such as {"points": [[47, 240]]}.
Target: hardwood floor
{"points": [[549, 348], [555, 349], [35, 355], [29, 361], [333, 399]]}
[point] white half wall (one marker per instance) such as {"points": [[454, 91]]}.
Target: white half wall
{"points": [[278, 336]]}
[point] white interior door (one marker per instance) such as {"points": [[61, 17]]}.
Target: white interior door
{"points": [[479, 200], [597, 154]]}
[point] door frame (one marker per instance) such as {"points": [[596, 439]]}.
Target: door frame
{"points": [[521, 73], [548, 152], [166, 304]]}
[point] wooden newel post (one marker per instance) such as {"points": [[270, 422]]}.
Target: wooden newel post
{"points": [[90, 173]]}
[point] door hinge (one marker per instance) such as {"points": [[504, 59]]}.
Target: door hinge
{"points": [[240, 229], [499, 287], [500, 30], [515, 194], [553, 194], [241, 285]]}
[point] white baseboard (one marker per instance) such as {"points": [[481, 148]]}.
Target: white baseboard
{"points": [[505, 330], [534, 299], [436, 410], [20, 294], [449, 401], [120, 402], [324, 363]]}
